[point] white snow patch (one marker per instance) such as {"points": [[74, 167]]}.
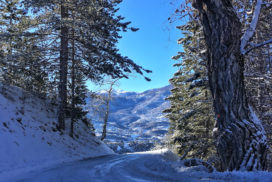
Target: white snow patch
{"points": [[29, 139]]}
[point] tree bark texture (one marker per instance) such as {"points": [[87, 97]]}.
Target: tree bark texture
{"points": [[73, 83], [63, 68], [240, 139]]}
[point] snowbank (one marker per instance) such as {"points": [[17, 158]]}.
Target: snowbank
{"points": [[29, 139], [201, 173]]}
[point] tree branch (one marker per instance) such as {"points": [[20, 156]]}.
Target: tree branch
{"points": [[252, 28], [254, 46]]}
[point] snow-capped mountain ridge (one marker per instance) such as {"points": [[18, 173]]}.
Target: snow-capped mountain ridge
{"points": [[136, 116]]}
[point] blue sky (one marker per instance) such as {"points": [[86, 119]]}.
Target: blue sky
{"points": [[152, 46]]}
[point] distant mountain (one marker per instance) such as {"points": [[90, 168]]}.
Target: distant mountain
{"points": [[136, 117]]}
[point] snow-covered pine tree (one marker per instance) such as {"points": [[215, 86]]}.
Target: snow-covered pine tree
{"points": [[77, 87], [77, 97], [11, 14], [21, 63], [96, 31], [191, 113], [9, 19]]}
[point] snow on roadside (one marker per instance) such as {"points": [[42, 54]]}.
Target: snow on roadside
{"points": [[29, 139], [200, 173]]}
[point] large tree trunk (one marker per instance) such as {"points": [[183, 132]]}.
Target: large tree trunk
{"points": [[63, 68], [73, 77], [241, 141]]}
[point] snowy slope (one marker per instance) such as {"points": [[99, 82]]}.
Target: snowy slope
{"points": [[28, 135], [136, 117]]}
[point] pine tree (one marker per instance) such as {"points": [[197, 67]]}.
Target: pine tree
{"points": [[63, 67], [78, 89], [11, 16], [93, 27], [191, 113], [22, 60]]}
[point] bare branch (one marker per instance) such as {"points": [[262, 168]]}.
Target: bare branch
{"points": [[254, 46], [252, 28]]}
